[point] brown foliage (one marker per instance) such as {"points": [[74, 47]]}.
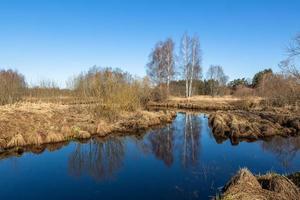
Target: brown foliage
{"points": [[159, 93], [243, 91], [111, 91], [279, 90]]}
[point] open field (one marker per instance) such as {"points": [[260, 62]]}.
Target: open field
{"points": [[205, 102]]}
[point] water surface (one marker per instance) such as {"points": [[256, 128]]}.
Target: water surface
{"points": [[179, 161]]}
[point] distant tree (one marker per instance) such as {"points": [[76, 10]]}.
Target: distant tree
{"points": [[239, 82], [177, 87], [258, 77], [190, 61], [209, 86], [218, 79], [12, 86]]}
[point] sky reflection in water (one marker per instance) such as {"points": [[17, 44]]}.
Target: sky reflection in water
{"points": [[180, 161]]}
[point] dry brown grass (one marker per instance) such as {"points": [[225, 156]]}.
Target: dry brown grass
{"points": [[204, 102], [53, 137], [27, 124], [83, 135], [244, 185], [227, 98], [217, 100], [34, 139], [16, 140], [103, 128], [244, 125]]}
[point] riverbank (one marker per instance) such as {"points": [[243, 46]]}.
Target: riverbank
{"points": [[253, 125], [244, 185], [239, 119], [34, 124]]}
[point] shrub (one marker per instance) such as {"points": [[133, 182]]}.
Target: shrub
{"points": [[243, 91], [159, 93], [279, 90], [111, 91]]}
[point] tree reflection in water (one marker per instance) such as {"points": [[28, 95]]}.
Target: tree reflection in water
{"points": [[161, 142], [191, 141], [285, 149], [98, 159]]}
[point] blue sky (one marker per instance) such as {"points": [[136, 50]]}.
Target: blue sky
{"points": [[56, 39]]}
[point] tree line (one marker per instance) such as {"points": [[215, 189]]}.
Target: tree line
{"points": [[180, 74], [165, 66], [168, 73]]}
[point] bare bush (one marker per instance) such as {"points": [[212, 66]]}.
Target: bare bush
{"points": [[12, 86], [111, 91], [243, 91], [279, 90], [48, 91], [159, 93]]}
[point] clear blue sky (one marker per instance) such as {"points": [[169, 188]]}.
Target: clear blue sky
{"points": [[56, 39]]}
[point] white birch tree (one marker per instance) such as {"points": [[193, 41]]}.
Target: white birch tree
{"points": [[169, 63], [185, 59], [196, 62], [190, 59]]}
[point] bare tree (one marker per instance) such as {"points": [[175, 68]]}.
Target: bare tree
{"points": [[294, 47], [290, 65], [218, 78], [161, 68], [169, 63], [195, 62], [185, 57], [155, 68], [190, 57]]}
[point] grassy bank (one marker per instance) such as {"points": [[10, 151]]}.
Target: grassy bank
{"points": [[208, 103], [240, 119], [252, 125], [26, 124], [244, 185]]}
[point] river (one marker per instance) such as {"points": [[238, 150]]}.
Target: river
{"points": [[182, 160]]}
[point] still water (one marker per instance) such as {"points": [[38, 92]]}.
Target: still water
{"points": [[180, 161]]}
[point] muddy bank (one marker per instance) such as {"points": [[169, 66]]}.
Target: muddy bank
{"points": [[37, 124], [244, 185], [247, 125]]}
